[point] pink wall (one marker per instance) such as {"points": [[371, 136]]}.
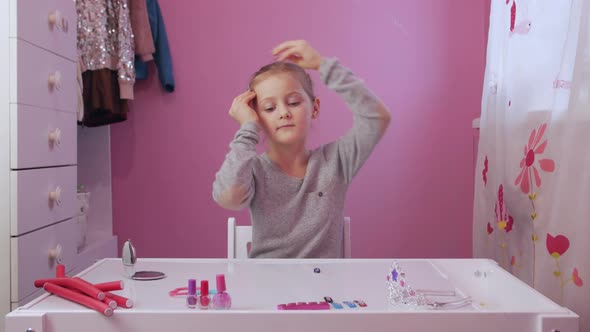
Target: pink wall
{"points": [[413, 198]]}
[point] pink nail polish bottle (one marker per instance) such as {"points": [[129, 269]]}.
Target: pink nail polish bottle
{"points": [[204, 299], [191, 297], [221, 300]]}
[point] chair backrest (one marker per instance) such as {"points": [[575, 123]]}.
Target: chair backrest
{"points": [[239, 239]]}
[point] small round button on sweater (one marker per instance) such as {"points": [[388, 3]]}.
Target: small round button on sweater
{"points": [[320, 194]]}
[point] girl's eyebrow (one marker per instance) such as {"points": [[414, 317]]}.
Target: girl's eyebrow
{"points": [[287, 95], [260, 101]]}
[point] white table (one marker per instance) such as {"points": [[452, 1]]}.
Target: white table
{"points": [[501, 301]]}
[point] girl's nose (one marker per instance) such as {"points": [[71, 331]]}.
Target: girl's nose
{"points": [[285, 114]]}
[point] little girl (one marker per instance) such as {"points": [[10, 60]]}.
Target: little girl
{"points": [[295, 195]]}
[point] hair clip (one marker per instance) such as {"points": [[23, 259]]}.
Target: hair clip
{"points": [[304, 306], [349, 304], [400, 292], [360, 303], [336, 305]]}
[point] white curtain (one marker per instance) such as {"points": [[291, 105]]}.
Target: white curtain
{"points": [[532, 192]]}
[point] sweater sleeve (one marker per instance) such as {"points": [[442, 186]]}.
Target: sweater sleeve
{"points": [[162, 56], [142, 32], [233, 187], [126, 51], [370, 116]]}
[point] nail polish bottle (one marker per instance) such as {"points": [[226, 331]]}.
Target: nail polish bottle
{"points": [[221, 299], [204, 299], [191, 298]]}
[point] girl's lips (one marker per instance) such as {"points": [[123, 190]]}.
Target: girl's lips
{"points": [[286, 126]]}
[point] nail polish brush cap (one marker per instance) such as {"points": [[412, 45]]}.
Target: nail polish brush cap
{"points": [[204, 287], [220, 281], [192, 287]]}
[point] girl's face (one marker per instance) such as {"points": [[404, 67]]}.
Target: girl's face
{"points": [[284, 109]]}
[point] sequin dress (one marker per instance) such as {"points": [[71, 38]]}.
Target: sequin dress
{"points": [[105, 40]]}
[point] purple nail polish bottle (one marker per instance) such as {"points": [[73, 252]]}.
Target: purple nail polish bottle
{"points": [[221, 300], [191, 298]]}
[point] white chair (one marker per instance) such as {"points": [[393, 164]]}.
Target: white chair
{"points": [[240, 237]]}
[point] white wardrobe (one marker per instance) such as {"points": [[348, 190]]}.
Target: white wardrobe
{"points": [[44, 156]]}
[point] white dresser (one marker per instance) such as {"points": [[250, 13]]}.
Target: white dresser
{"points": [[38, 149]]}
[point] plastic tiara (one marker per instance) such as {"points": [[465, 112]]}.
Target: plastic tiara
{"points": [[400, 292]]}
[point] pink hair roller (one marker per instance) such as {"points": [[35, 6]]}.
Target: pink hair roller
{"points": [[78, 298], [74, 283], [121, 301]]}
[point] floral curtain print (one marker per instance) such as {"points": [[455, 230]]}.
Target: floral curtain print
{"points": [[532, 188]]}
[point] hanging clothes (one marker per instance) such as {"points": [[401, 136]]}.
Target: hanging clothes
{"points": [[102, 104], [105, 40], [162, 56], [79, 93], [106, 49], [142, 32]]}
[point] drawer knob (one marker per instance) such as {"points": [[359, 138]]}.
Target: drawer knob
{"points": [[55, 137], [57, 20], [55, 254], [55, 80], [54, 196], [54, 17]]}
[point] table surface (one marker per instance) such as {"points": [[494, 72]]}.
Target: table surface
{"points": [[260, 285]]}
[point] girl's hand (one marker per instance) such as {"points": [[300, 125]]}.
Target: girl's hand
{"points": [[299, 52], [241, 109]]}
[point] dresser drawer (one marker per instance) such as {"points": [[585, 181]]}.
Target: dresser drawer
{"points": [[41, 137], [33, 256], [41, 79], [39, 197], [105, 248], [50, 24]]}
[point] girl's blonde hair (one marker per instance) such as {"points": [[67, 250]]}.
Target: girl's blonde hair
{"points": [[284, 67]]}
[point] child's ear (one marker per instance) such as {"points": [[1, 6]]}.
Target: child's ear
{"points": [[316, 108]]}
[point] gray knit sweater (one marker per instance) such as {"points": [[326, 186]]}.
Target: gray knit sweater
{"points": [[302, 218]]}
